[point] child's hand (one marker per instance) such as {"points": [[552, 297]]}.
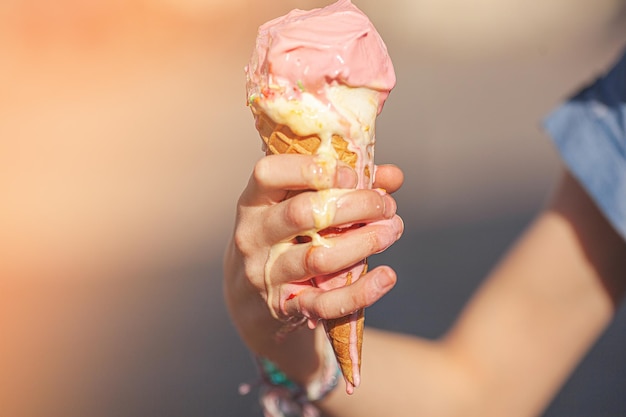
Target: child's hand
{"points": [[266, 258]]}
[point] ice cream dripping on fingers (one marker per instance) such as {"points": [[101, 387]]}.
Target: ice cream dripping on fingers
{"points": [[324, 207], [316, 82]]}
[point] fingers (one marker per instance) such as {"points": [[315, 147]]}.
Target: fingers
{"points": [[388, 177], [275, 175], [267, 217], [306, 260], [315, 303], [315, 211]]}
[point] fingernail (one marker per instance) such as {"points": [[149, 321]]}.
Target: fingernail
{"points": [[399, 226], [346, 177], [390, 206], [383, 281]]}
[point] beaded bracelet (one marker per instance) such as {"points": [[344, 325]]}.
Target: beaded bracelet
{"points": [[281, 397]]}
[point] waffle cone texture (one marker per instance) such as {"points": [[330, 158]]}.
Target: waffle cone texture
{"points": [[280, 139]]}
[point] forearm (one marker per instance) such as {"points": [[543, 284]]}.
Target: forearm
{"points": [[404, 376], [519, 337], [543, 307]]}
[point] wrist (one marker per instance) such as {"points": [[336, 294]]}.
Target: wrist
{"points": [[292, 347], [281, 396]]}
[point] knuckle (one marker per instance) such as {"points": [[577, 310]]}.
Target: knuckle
{"points": [[253, 275], [370, 294], [300, 306], [356, 301], [253, 269], [297, 214], [260, 173], [321, 308], [315, 260], [373, 242], [242, 242]]}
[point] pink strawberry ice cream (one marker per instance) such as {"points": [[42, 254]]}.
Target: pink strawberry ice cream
{"points": [[311, 50]]}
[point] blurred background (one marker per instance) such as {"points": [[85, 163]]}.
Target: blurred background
{"points": [[125, 142]]}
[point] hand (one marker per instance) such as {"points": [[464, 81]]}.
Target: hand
{"points": [[265, 258]]}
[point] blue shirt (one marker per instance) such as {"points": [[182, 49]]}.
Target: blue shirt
{"points": [[589, 130]]}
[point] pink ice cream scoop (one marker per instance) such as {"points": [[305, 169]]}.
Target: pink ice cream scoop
{"points": [[310, 50]]}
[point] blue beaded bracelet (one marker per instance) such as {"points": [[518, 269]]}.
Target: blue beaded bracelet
{"points": [[281, 397], [275, 376]]}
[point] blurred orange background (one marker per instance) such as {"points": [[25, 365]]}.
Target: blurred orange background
{"points": [[125, 141]]}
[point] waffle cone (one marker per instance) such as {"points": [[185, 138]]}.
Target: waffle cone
{"points": [[280, 139], [339, 331]]}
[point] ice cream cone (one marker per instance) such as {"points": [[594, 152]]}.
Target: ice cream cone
{"points": [[281, 139], [339, 332], [346, 333], [317, 91]]}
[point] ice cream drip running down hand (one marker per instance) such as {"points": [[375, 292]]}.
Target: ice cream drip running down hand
{"points": [[315, 83]]}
